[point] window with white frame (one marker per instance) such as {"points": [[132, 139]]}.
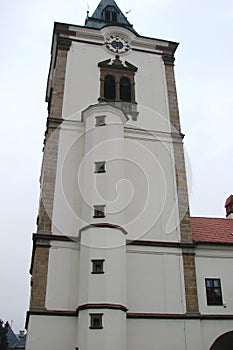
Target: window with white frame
{"points": [[213, 291]]}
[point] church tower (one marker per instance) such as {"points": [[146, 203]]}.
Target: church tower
{"points": [[113, 261]]}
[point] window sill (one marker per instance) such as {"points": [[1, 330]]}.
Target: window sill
{"points": [[96, 327], [97, 273]]}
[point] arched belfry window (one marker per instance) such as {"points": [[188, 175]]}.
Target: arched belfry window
{"points": [[117, 80], [125, 89], [110, 14], [109, 88], [117, 84]]}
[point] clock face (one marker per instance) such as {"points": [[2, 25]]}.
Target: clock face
{"points": [[117, 44]]}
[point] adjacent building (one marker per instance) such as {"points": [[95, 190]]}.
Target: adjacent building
{"points": [[15, 341], [117, 262]]}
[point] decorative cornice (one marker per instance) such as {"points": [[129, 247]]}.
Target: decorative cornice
{"points": [[70, 313], [188, 251], [52, 237], [79, 29], [43, 240], [94, 43], [45, 312], [196, 316], [102, 306], [216, 317], [53, 122], [43, 245], [146, 51], [169, 49], [117, 64], [63, 43], [103, 225], [162, 244], [149, 315], [168, 59], [46, 236], [104, 107]]}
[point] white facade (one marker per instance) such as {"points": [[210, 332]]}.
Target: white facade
{"points": [[139, 293], [151, 291], [215, 262]]}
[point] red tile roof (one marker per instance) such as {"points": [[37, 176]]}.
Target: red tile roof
{"points": [[212, 229]]}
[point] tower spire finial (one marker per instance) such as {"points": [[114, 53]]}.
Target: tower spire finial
{"points": [[87, 10]]}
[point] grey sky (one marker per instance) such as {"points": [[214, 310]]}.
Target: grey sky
{"points": [[204, 74]]}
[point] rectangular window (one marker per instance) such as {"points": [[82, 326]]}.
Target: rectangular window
{"points": [[98, 266], [107, 15], [100, 167], [96, 321], [100, 121], [99, 211], [213, 291], [114, 16]]}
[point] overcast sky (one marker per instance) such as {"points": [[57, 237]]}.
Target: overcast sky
{"points": [[204, 75]]}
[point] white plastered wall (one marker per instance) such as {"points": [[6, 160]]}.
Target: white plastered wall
{"points": [[150, 334], [152, 214], [155, 280], [62, 281], [52, 332], [215, 263], [176, 334], [67, 198]]}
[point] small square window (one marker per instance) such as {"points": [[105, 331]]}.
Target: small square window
{"points": [[100, 121], [100, 167], [98, 266], [99, 211], [96, 321], [213, 291]]}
